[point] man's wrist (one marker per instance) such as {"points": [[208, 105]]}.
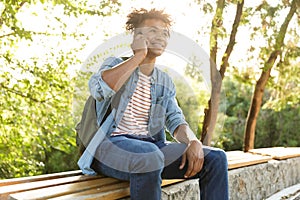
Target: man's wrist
{"points": [[138, 58], [195, 141], [185, 135]]}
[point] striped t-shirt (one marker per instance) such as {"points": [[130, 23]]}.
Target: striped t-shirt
{"points": [[136, 116]]}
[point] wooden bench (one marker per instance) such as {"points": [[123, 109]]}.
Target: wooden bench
{"points": [[67, 185], [75, 185], [238, 159], [278, 153]]}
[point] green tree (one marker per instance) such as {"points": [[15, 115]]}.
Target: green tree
{"points": [[275, 127], [270, 53], [268, 33], [36, 120], [217, 30]]}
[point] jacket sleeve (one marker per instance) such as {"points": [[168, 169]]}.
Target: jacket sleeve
{"points": [[97, 86]]}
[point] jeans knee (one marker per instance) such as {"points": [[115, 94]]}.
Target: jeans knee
{"points": [[216, 157], [221, 153], [221, 158], [148, 162]]}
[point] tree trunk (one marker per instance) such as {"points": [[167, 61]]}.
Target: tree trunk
{"points": [[216, 82], [249, 134], [256, 103], [210, 117]]}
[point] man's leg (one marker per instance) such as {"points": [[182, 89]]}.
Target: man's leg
{"points": [[137, 161], [213, 178]]}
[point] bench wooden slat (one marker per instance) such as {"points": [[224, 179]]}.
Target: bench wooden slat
{"points": [[39, 177], [5, 190], [246, 162], [125, 192], [90, 193], [166, 182], [108, 192], [235, 155], [116, 194], [238, 159], [55, 191], [279, 153]]}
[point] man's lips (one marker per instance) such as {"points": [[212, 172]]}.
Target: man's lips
{"points": [[157, 45]]}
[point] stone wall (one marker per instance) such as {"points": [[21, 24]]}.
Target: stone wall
{"points": [[254, 182], [263, 180], [186, 190]]}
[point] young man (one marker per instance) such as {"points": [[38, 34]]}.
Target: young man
{"points": [[142, 101]]}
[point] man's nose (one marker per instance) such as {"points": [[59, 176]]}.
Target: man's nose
{"points": [[161, 38]]}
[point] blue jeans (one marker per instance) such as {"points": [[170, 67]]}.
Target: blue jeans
{"points": [[145, 162]]}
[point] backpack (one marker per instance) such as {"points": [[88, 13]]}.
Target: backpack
{"points": [[88, 126]]}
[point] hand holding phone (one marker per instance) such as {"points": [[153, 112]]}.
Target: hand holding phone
{"points": [[139, 45]]}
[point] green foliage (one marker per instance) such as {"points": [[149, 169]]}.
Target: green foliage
{"points": [[194, 72], [36, 88], [284, 88], [275, 127], [278, 128], [237, 94], [264, 23], [35, 119], [191, 102], [193, 95], [81, 93]]}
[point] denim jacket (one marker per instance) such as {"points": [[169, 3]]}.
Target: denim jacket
{"points": [[164, 111]]}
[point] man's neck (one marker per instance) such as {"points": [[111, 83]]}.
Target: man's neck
{"points": [[147, 66]]}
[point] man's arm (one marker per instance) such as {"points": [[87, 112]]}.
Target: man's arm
{"points": [[194, 153], [117, 76], [184, 134]]}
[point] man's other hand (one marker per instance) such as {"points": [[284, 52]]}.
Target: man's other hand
{"points": [[195, 157]]}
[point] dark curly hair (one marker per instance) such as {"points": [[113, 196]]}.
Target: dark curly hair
{"points": [[136, 17]]}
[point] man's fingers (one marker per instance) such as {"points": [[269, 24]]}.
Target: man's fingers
{"points": [[195, 166], [139, 43], [183, 161], [189, 171]]}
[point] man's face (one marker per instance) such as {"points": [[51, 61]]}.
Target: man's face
{"points": [[156, 34]]}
